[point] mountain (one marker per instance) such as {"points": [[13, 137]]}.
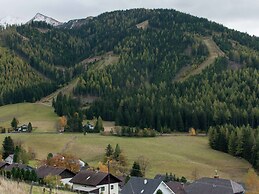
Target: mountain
{"points": [[8, 20], [42, 18], [159, 69], [77, 23]]}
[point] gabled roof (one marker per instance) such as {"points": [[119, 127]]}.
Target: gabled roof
{"points": [[44, 171], [17, 165], [3, 164], [93, 178], [141, 185], [176, 187], [214, 186]]}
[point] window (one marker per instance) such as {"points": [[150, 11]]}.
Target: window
{"points": [[102, 188], [112, 187]]}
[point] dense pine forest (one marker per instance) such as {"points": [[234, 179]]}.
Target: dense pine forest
{"points": [[148, 85]]}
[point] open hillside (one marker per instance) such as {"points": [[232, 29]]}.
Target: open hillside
{"points": [[42, 117], [181, 155]]}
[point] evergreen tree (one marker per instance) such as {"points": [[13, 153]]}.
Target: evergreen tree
{"points": [[29, 127], [8, 147], [14, 123], [232, 143], [109, 151], [98, 125], [117, 152], [135, 170]]}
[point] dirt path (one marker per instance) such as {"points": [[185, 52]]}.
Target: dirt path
{"points": [[67, 145], [214, 52], [68, 89]]}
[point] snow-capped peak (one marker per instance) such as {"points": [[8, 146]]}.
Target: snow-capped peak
{"points": [[42, 18], [9, 20]]}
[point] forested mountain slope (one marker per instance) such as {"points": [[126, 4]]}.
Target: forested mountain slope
{"points": [[151, 48], [18, 81]]}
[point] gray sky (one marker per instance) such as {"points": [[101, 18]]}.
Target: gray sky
{"points": [[242, 15]]}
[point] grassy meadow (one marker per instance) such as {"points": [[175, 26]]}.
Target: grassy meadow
{"points": [[181, 155], [8, 187], [41, 116]]}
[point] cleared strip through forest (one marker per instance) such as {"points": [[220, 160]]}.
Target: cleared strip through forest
{"points": [[214, 52]]}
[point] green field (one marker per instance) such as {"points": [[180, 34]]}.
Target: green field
{"points": [[41, 116], [181, 155]]}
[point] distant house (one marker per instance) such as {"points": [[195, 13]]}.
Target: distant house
{"points": [[214, 186], [17, 165], [3, 165], [88, 181], [9, 159], [65, 174], [176, 187], [139, 185], [23, 128]]}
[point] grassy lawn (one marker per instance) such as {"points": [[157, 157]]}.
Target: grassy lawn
{"points": [[181, 155], [42, 117], [8, 187]]}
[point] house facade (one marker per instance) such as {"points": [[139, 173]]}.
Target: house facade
{"points": [[9, 159], [95, 182]]}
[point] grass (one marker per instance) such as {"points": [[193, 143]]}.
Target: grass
{"points": [[181, 155], [42, 117], [8, 186]]}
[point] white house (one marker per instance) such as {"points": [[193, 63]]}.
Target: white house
{"points": [[9, 159], [95, 182], [141, 185]]}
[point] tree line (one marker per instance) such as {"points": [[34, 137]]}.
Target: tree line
{"points": [[240, 141]]}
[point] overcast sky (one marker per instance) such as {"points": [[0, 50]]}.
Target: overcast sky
{"points": [[242, 15]]}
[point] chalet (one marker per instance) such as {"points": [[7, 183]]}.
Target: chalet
{"points": [[141, 185], [17, 165], [214, 186], [65, 174], [9, 159], [88, 181]]}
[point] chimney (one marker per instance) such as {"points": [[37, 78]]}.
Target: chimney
{"points": [[216, 176]]}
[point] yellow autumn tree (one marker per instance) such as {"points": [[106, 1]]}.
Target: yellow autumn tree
{"points": [[192, 132], [62, 122], [252, 182]]}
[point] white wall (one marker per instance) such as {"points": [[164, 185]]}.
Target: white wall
{"points": [[115, 189], [82, 187], [164, 188], [66, 181]]}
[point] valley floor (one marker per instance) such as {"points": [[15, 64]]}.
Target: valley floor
{"points": [[182, 155]]}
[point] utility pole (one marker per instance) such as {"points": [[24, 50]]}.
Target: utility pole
{"points": [[109, 190]]}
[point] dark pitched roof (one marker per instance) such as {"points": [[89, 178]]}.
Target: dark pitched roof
{"points": [[17, 165], [44, 171], [138, 184], [3, 164], [176, 187], [93, 178], [214, 186]]}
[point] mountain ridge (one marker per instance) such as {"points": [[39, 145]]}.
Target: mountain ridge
{"points": [[43, 18]]}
